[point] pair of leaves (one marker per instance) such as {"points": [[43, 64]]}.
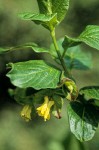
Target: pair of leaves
{"points": [[89, 36], [51, 13], [34, 73], [83, 115]]}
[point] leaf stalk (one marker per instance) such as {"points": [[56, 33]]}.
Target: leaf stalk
{"points": [[58, 53]]}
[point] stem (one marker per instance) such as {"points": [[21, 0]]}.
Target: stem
{"points": [[58, 53], [64, 53]]}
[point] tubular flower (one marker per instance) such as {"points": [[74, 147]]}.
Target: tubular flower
{"points": [[26, 113], [44, 109]]}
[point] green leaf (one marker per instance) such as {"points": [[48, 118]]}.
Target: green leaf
{"points": [[83, 120], [45, 6], [34, 47], [31, 45], [70, 42], [90, 36], [77, 59], [74, 58], [59, 92], [35, 17], [54, 6], [35, 73], [21, 96], [90, 92], [39, 96], [48, 21], [58, 101], [60, 7], [4, 50]]}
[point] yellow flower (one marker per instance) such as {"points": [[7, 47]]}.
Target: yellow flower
{"points": [[26, 113], [44, 109]]}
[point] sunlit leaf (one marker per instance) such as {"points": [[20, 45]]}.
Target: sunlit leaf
{"points": [[90, 36], [54, 6], [34, 73], [47, 20], [77, 59], [60, 7]]}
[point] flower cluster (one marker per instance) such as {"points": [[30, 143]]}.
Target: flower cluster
{"points": [[43, 110]]}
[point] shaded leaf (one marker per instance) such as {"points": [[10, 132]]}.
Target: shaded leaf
{"points": [[4, 50], [21, 96], [39, 96], [59, 92], [83, 120], [70, 42], [35, 73], [77, 59], [58, 101], [74, 58]]}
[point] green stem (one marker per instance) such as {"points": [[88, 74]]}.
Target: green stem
{"points": [[64, 53], [58, 53]]}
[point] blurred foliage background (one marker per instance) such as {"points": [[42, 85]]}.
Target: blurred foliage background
{"points": [[15, 134]]}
